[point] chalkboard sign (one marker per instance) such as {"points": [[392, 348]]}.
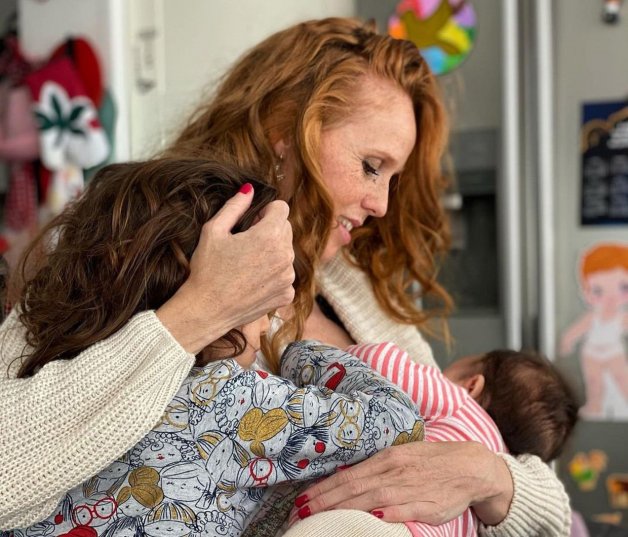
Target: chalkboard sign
{"points": [[604, 147]]}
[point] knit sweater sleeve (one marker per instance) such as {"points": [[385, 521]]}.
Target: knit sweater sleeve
{"points": [[350, 294], [74, 417], [540, 504]]}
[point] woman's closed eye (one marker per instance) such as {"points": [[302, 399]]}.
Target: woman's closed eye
{"points": [[370, 169]]}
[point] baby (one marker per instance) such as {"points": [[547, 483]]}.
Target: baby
{"points": [[510, 401]]}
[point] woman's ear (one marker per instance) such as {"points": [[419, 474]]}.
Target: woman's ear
{"points": [[280, 148], [474, 385]]}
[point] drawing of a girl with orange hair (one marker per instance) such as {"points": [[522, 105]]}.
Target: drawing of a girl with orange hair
{"points": [[604, 286]]}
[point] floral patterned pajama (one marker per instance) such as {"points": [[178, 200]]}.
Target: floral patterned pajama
{"points": [[227, 435]]}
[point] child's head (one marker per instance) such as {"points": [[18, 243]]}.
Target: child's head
{"points": [[123, 247], [604, 276], [531, 404]]}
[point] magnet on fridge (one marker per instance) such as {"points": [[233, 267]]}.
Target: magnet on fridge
{"points": [[585, 468], [617, 487]]}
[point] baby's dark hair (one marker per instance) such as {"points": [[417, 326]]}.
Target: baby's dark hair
{"points": [[531, 403]]}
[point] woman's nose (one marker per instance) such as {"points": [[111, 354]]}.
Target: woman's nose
{"points": [[375, 201]]}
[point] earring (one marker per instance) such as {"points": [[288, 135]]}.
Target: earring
{"points": [[279, 175]]}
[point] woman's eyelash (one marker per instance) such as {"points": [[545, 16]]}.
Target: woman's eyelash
{"points": [[369, 169]]}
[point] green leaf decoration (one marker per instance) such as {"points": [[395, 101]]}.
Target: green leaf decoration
{"points": [[76, 112], [77, 130], [56, 105], [43, 121]]}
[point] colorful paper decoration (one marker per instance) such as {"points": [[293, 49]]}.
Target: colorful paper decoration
{"points": [[617, 487], [600, 332], [443, 30], [585, 468]]}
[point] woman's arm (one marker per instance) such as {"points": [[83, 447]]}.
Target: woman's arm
{"points": [[435, 481], [74, 417], [539, 505], [99, 404]]}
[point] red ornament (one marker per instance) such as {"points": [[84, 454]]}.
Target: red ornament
{"points": [[319, 447], [261, 373], [303, 463], [58, 518]]}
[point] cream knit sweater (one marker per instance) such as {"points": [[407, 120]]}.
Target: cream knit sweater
{"points": [[73, 418]]}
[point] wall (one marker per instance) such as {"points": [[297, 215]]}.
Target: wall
{"points": [[195, 42], [159, 55]]}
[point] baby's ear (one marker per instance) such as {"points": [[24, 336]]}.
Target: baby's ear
{"points": [[474, 385]]}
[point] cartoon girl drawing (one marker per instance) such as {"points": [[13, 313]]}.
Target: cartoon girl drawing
{"points": [[186, 482], [174, 519], [206, 386], [95, 511], [161, 449], [142, 493], [110, 479], [175, 418], [604, 286]]}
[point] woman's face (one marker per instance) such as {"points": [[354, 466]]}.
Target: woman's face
{"points": [[361, 155]]}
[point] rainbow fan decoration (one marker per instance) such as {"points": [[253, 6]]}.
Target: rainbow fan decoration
{"points": [[443, 30]]}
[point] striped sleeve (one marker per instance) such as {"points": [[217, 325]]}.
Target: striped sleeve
{"points": [[425, 385]]}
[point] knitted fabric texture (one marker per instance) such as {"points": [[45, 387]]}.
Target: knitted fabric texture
{"points": [[346, 523], [74, 417]]}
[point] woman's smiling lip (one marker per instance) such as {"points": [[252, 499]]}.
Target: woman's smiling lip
{"points": [[345, 226], [349, 223]]}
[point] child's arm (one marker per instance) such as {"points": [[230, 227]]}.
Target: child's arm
{"points": [[424, 384], [574, 333], [273, 430]]}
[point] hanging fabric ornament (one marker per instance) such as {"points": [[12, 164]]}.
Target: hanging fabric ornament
{"points": [[70, 134], [18, 148], [87, 65]]}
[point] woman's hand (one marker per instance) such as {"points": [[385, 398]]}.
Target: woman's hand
{"points": [[234, 278], [430, 482]]}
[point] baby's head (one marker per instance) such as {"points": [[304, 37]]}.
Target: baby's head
{"points": [[531, 404]]}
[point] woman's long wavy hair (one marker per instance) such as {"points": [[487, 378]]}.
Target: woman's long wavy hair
{"points": [[291, 87], [123, 247]]}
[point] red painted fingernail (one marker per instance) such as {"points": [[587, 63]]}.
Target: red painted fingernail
{"points": [[300, 501], [245, 188], [378, 514], [343, 467], [304, 512]]}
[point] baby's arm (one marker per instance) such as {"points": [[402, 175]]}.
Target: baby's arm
{"points": [[273, 430], [425, 385]]}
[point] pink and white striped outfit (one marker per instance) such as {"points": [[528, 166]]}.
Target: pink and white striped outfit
{"points": [[450, 413]]}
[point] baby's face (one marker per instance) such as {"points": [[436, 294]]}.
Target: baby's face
{"points": [[220, 350], [463, 368]]}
